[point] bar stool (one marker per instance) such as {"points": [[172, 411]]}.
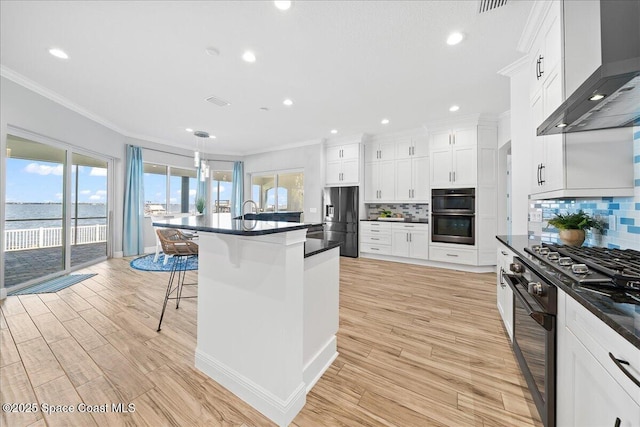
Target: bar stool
{"points": [[181, 248]]}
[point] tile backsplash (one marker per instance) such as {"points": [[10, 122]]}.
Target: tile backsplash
{"points": [[416, 212]]}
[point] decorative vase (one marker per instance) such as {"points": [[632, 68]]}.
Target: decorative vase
{"points": [[572, 237]]}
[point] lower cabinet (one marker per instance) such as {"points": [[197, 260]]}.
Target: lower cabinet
{"points": [[504, 294], [591, 389], [410, 240], [453, 253]]}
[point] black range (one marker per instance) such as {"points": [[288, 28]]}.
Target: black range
{"points": [[605, 281]]}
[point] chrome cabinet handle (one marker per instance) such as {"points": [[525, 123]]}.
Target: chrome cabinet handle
{"points": [[617, 423], [454, 176], [449, 176], [504, 253], [449, 139], [453, 255], [619, 363]]}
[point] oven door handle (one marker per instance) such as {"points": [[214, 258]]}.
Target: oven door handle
{"points": [[543, 319]]}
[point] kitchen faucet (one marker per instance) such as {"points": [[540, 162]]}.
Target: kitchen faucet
{"points": [[255, 205]]}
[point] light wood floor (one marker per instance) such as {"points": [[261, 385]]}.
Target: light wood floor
{"points": [[418, 347]]}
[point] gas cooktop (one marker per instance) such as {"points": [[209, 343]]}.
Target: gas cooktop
{"points": [[614, 273]]}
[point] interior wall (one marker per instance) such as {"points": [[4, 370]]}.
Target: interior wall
{"points": [[308, 158], [521, 165]]}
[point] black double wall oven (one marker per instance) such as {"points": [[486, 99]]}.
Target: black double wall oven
{"points": [[453, 215]]}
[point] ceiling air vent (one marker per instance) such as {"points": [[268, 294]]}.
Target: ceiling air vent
{"points": [[487, 5], [217, 101]]}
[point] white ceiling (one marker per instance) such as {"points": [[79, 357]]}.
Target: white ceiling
{"points": [[141, 67]]}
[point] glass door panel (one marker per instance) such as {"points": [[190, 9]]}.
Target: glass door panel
{"points": [[88, 216], [221, 191], [34, 237]]}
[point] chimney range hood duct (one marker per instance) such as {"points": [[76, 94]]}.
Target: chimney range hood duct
{"points": [[614, 28]]}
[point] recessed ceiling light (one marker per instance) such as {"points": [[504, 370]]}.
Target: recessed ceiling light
{"points": [[561, 125], [454, 38], [189, 130], [454, 108], [249, 56], [334, 131], [385, 121], [58, 53], [288, 102], [283, 5], [212, 51], [597, 97], [264, 108], [212, 137]]}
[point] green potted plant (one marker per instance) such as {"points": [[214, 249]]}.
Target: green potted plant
{"points": [[572, 227], [200, 203]]}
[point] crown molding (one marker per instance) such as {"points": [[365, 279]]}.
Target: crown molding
{"points": [[515, 67], [286, 147], [534, 22]]}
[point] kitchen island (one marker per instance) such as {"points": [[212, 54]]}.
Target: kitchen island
{"points": [[267, 309]]}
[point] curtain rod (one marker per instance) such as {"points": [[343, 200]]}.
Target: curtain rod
{"points": [[183, 155]]}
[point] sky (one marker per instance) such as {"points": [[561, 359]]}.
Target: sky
{"points": [[31, 181]]}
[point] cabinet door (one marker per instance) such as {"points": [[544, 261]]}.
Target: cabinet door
{"points": [[403, 180], [440, 140], [334, 170], [441, 168], [350, 151], [371, 152], [350, 171], [333, 153], [553, 171], [465, 137], [464, 166], [537, 142], [403, 149], [420, 146], [400, 243], [419, 244], [595, 398], [371, 181], [386, 180], [420, 179], [387, 151], [552, 39]]}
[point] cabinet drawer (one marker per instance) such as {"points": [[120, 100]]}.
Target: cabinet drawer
{"points": [[376, 239], [454, 255], [410, 227], [600, 340], [374, 227], [375, 249]]}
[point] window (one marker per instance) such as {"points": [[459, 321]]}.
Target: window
{"points": [[278, 192], [168, 190], [221, 191]]}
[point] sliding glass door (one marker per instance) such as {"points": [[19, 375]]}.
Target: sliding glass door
{"points": [[56, 211]]}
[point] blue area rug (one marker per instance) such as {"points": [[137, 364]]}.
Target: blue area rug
{"points": [[145, 263], [53, 285]]}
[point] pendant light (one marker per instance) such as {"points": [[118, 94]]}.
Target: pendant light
{"points": [[196, 155]]}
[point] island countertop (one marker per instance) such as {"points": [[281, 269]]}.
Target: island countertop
{"points": [[223, 223]]}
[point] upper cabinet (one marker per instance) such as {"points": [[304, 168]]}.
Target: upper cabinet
{"points": [[343, 164], [397, 169], [576, 164], [453, 155]]}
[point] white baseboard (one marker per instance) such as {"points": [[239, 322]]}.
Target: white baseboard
{"points": [[3, 293], [319, 363], [118, 254], [282, 412], [150, 250], [437, 264]]}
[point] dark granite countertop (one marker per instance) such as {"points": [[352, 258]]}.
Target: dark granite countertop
{"points": [[418, 221], [317, 246], [224, 224], [623, 318]]}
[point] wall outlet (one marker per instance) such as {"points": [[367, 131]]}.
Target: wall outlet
{"points": [[313, 210], [536, 216], [613, 225]]}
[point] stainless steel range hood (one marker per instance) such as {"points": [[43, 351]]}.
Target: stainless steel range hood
{"points": [[604, 36]]}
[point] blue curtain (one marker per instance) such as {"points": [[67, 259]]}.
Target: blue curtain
{"points": [[237, 189], [201, 187], [132, 236]]}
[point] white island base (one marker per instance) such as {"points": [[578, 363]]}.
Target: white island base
{"points": [[267, 317]]}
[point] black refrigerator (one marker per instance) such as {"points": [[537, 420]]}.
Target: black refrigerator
{"points": [[341, 218]]}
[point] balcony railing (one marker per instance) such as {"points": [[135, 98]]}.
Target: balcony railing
{"points": [[49, 237]]}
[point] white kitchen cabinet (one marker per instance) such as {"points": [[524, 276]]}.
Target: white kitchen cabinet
{"points": [[454, 158], [412, 179], [410, 240], [407, 148], [375, 237], [546, 51], [591, 389], [591, 397], [379, 181], [504, 293], [343, 164], [445, 252], [382, 151]]}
